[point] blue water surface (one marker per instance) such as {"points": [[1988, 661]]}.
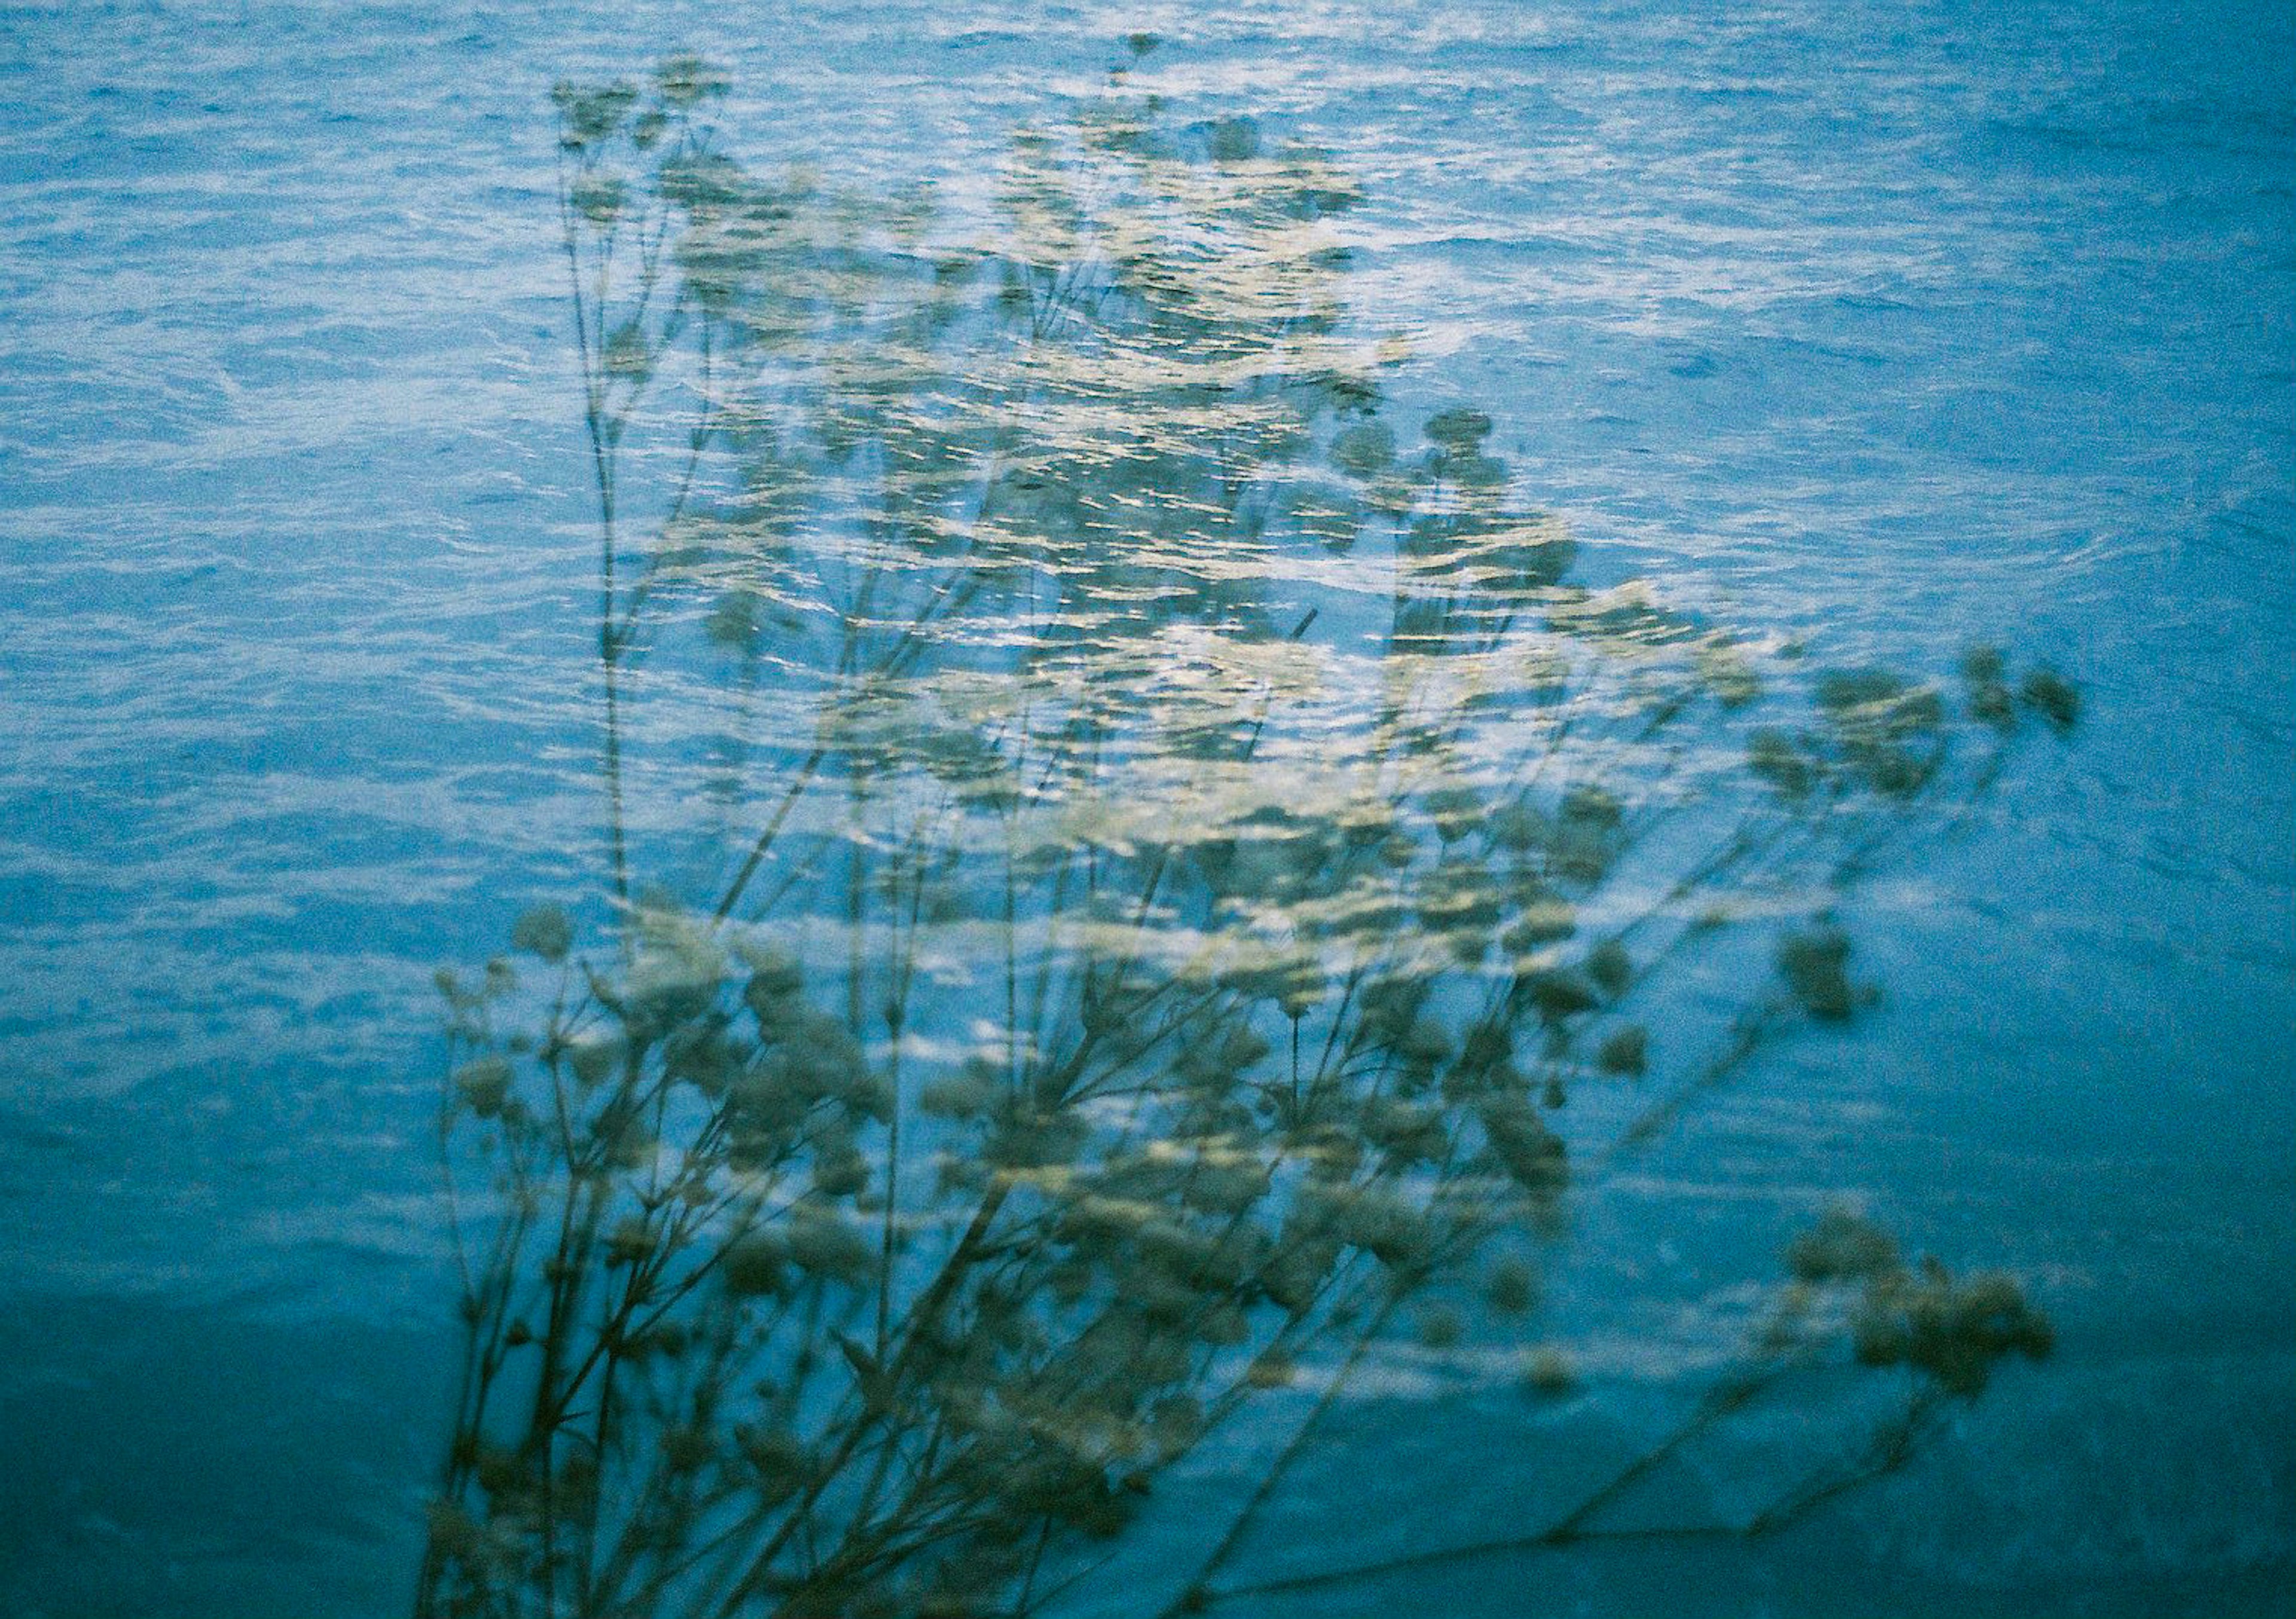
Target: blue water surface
{"points": [[1890, 326]]}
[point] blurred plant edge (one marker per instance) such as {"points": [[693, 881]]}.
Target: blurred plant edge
{"points": [[1200, 880]]}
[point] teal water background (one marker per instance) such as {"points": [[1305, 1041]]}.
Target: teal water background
{"points": [[1898, 325]]}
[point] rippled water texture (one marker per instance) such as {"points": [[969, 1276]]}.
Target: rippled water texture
{"points": [[1110, 680]]}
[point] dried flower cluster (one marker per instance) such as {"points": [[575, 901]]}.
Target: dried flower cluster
{"points": [[1196, 840]]}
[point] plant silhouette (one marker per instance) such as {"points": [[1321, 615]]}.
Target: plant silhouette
{"points": [[1192, 875]]}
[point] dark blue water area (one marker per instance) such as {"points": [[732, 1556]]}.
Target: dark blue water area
{"points": [[1890, 327]]}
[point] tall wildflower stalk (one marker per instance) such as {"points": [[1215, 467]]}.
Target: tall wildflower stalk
{"points": [[1196, 878]]}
